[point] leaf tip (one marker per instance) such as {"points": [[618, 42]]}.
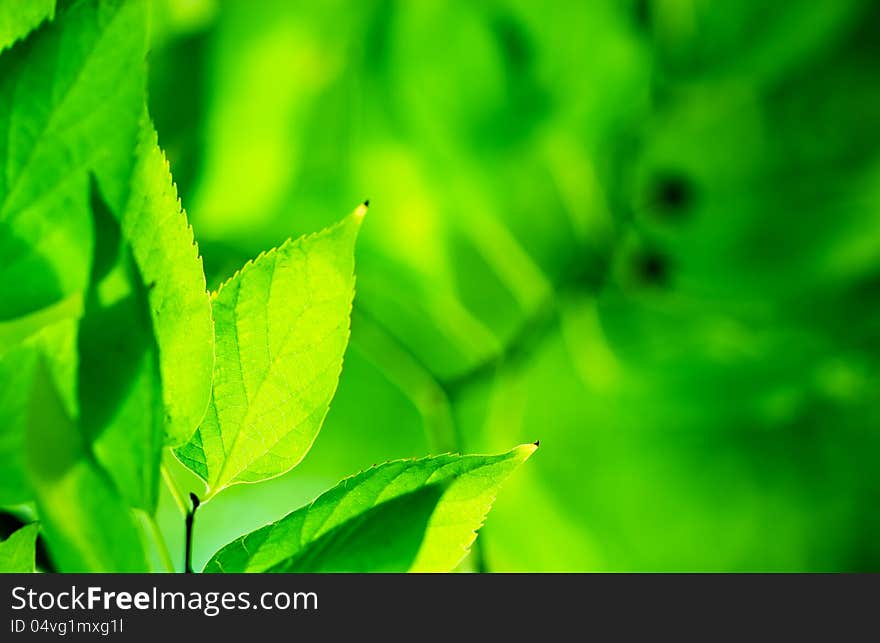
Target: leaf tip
{"points": [[524, 451]]}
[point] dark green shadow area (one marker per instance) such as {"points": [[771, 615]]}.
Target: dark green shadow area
{"points": [[386, 538]]}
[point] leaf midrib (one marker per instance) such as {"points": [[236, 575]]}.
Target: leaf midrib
{"points": [[273, 360]]}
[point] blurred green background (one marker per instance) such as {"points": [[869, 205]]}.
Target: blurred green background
{"points": [[645, 232]]}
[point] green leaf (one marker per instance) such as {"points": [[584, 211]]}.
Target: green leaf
{"points": [[162, 243], [15, 331], [19, 17], [120, 388], [384, 538], [87, 525], [281, 329], [307, 539], [16, 373], [71, 97], [56, 342], [18, 552]]}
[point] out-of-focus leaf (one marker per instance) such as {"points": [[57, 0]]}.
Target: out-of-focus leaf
{"points": [[281, 329], [87, 525], [18, 552], [171, 269], [461, 153], [19, 17], [702, 40], [56, 342], [471, 483], [15, 331], [70, 102], [119, 383], [16, 371], [254, 103]]}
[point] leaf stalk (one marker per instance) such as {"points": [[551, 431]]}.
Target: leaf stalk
{"points": [[190, 520]]}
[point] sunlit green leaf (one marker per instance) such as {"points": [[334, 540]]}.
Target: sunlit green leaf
{"points": [[171, 268], [469, 486], [281, 328], [384, 538]]}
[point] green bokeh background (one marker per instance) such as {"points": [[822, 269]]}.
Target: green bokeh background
{"points": [[645, 232]]}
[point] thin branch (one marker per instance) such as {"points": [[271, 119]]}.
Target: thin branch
{"points": [[526, 340], [414, 380], [190, 520]]}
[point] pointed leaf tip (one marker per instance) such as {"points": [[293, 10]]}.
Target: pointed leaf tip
{"points": [[313, 536], [524, 451], [248, 439]]}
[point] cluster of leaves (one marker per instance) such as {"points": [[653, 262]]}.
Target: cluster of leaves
{"points": [[645, 230], [113, 353]]}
